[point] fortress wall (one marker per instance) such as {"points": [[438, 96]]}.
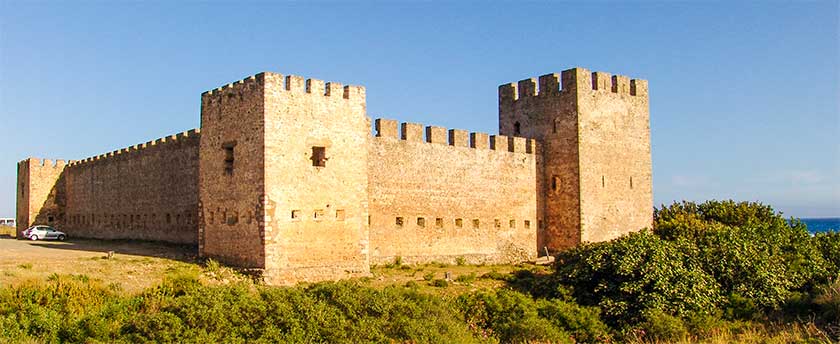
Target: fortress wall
{"points": [[450, 194], [40, 193], [147, 191]]}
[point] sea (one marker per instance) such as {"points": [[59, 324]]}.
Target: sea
{"points": [[822, 225]]}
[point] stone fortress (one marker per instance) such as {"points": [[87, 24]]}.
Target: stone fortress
{"points": [[284, 177]]}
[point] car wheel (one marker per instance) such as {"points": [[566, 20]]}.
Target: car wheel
{"points": [[60, 238], [33, 237]]}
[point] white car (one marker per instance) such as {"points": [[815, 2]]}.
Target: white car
{"points": [[43, 232]]}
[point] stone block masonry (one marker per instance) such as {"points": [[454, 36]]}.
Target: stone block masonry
{"points": [[284, 177]]}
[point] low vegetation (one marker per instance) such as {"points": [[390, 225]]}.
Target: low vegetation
{"points": [[715, 272]]}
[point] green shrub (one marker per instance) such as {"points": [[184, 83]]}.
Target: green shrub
{"points": [[466, 279], [750, 249], [631, 275], [584, 323], [440, 283], [828, 245], [827, 302], [661, 326], [510, 317], [429, 276], [495, 275], [74, 309], [460, 261]]}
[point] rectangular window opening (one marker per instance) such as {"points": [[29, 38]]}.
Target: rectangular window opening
{"points": [[295, 214], [527, 224], [631, 182], [459, 223], [421, 222], [497, 223], [319, 156], [339, 215], [603, 181], [400, 221], [555, 183], [476, 223], [439, 222], [319, 214], [512, 223], [229, 156]]}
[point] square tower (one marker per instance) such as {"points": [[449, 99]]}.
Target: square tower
{"points": [[283, 177], [596, 165], [40, 193]]}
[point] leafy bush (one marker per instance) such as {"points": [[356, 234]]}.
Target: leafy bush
{"points": [[440, 283], [658, 325], [750, 249], [636, 273], [510, 317], [466, 279]]}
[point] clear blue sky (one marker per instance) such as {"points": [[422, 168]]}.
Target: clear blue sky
{"points": [[744, 97]]}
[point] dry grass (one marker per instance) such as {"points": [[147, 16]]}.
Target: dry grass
{"points": [[32, 262], [463, 278], [7, 231], [755, 333]]}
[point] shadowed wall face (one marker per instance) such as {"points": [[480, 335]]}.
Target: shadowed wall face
{"points": [[146, 192], [232, 174]]}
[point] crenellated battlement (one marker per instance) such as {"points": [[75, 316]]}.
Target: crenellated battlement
{"points": [[45, 163], [414, 132], [575, 79], [291, 84], [190, 135]]}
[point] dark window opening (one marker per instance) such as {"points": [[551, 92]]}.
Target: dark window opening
{"points": [[439, 222], [497, 223], [421, 222], [512, 223], [229, 156], [459, 223], [50, 219], [517, 128], [339, 215], [631, 182], [555, 183], [603, 181], [295, 214], [319, 156], [527, 224], [555, 126], [476, 223], [399, 221], [319, 214], [168, 218]]}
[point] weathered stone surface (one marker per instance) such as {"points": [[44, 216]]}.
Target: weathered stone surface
{"points": [[286, 178], [595, 138]]}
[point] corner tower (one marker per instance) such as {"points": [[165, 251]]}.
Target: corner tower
{"points": [[596, 162], [40, 193], [283, 177]]}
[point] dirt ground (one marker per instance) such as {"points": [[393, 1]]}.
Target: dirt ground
{"points": [[133, 266], [137, 265]]}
